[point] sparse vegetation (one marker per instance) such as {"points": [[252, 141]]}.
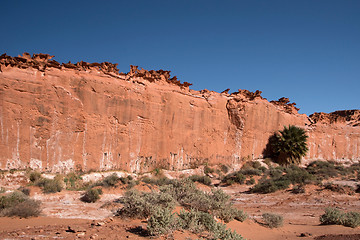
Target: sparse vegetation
{"points": [[92, 195], [49, 185], [343, 189], [158, 208], [201, 179], [272, 220], [162, 221], [34, 176], [20, 205], [333, 216]]}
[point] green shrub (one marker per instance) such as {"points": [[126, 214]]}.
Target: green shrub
{"points": [[18, 204], [332, 216], [220, 232], [49, 185], [240, 215], [73, 181], [111, 180], [236, 177], [195, 221], [326, 169], [273, 220], [199, 222], [91, 195], [298, 175], [162, 221], [352, 219], [251, 172], [142, 205], [270, 185], [208, 170], [201, 179]]}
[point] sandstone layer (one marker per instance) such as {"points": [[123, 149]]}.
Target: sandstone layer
{"points": [[63, 117]]}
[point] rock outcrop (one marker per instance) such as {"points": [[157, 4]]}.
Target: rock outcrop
{"points": [[72, 116]]}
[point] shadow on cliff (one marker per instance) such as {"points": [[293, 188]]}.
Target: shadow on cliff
{"points": [[269, 151]]}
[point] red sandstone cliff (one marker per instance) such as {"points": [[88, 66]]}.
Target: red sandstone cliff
{"points": [[89, 116]]}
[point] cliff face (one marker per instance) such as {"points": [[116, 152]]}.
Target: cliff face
{"points": [[60, 117]]}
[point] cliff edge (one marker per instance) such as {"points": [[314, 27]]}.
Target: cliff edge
{"points": [[82, 116]]}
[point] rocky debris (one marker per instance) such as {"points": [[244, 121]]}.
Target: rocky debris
{"points": [[226, 91], [348, 117], [42, 61], [285, 104], [154, 76], [243, 94]]}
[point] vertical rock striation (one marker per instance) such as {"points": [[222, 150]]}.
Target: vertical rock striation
{"points": [[72, 116]]}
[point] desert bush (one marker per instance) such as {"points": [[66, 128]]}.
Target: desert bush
{"points": [[220, 232], [49, 185], [111, 180], [92, 195], [24, 190], [34, 176], [224, 168], [326, 169], [332, 216], [162, 221], [251, 172], [289, 145], [352, 219], [73, 181], [297, 189], [199, 222], [270, 185], [236, 177], [251, 181], [298, 175], [18, 204], [343, 189], [201, 179], [25, 209], [142, 205], [208, 170], [228, 213], [195, 221], [273, 220], [276, 172], [12, 199]]}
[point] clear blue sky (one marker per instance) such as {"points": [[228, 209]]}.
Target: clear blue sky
{"points": [[307, 50]]}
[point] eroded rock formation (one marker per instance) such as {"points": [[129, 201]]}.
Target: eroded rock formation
{"points": [[62, 117]]}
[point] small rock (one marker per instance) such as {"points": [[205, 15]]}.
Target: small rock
{"points": [[306, 234], [80, 234], [100, 223]]}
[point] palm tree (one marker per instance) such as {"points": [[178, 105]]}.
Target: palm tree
{"points": [[290, 145]]}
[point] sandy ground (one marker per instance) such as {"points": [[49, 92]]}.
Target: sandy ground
{"points": [[66, 217]]}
